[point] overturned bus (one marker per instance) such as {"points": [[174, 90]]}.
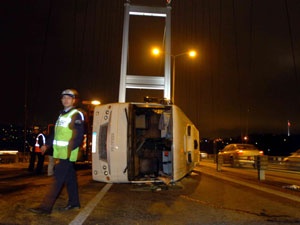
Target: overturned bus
{"points": [[142, 142]]}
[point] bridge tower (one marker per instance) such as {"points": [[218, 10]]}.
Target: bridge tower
{"points": [[159, 82]]}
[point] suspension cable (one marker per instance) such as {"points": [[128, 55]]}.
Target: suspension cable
{"points": [[237, 60], [291, 40]]}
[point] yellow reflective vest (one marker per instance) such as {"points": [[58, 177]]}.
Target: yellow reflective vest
{"points": [[63, 135]]}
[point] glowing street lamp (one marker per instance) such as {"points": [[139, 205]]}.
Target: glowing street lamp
{"points": [[155, 51], [91, 103], [191, 54]]}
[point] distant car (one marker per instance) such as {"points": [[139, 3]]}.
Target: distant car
{"points": [[203, 155], [293, 161], [240, 154]]}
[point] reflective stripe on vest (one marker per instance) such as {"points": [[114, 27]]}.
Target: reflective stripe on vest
{"points": [[60, 143], [62, 136], [37, 147]]}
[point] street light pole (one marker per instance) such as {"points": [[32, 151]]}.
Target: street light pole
{"points": [[192, 54], [173, 78]]}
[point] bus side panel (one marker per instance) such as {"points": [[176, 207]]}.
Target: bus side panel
{"points": [[99, 163], [185, 144], [109, 144], [119, 141]]}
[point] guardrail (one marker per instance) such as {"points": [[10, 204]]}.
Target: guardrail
{"points": [[260, 163], [9, 156], [13, 156], [270, 158], [275, 159]]}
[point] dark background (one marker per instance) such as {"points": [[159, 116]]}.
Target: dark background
{"points": [[244, 80]]}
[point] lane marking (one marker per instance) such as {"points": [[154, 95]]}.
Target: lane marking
{"points": [[255, 186], [86, 211]]}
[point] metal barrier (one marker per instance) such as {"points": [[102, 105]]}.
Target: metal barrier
{"points": [[261, 163], [13, 156], [9, 156], [275, 159], [219, 162]]}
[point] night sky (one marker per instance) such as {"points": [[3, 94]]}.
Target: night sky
{"points": [[244, 80]]}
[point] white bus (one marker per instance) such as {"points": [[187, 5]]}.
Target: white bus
{"points": [[142, 142]]}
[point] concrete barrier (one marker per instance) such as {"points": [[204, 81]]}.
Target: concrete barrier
{"points": [[9, 156], [13, 156]]}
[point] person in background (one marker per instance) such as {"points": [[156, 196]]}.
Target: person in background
{"points": [[40, 141], [31, 139], [68, 136]]}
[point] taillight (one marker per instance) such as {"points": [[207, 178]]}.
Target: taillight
{"points": [[240, 152]]}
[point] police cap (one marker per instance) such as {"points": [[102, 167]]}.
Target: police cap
{"points": [[70, 92]]}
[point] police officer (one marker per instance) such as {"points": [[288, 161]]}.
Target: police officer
{"points": [[68, 136], [39, 142], [31, 140]]}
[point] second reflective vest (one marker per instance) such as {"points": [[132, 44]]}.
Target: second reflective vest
{"points": [[37, 147]]}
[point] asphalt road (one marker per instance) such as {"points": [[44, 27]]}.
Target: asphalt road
{"points": [[206, 196]]}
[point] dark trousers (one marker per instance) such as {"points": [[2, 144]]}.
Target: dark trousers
{"points": [[32, 161], [64, 174], [40, 162]]}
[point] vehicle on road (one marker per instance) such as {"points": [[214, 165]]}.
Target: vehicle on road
{"points": [[240, 154], [292, 162], [203, 155], [143, 142], [150, 141]]}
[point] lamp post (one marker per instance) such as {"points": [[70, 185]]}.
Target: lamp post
{"points": [[191, 54], [90, 105]]}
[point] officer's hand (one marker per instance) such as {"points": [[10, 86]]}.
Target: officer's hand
{"points": [[44, 149]]}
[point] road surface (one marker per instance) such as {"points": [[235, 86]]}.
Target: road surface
{"points": [[206, 196]]}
